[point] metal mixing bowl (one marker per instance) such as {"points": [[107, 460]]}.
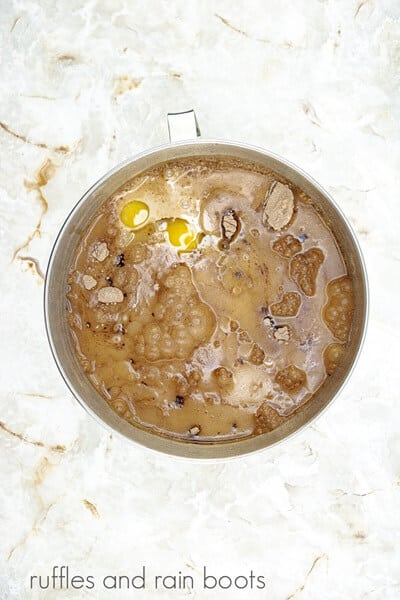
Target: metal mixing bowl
{"points": [[183, 126]]}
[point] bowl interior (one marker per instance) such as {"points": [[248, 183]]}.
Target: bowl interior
{"points": [[59, 265]]}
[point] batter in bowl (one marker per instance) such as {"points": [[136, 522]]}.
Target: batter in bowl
{"points": [[208, 300]]}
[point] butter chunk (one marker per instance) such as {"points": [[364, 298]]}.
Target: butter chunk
{"points": [[89, 282], [100, 251], [110, 295], [195, 430]]}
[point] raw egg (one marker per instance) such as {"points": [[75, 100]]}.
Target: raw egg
{"points": [[134, 214], [181, 235]]}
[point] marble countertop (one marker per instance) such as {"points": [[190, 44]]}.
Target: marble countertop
{"points": [[85, 85]]}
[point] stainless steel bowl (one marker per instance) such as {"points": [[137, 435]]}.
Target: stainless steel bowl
{"points": [[183, 126]]}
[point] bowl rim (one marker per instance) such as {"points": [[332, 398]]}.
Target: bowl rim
{"points": [[177, 454]]}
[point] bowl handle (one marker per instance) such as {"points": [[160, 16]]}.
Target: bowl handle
{"points": [[183, 126]]}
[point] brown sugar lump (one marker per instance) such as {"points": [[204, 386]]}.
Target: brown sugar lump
{"points": [[230, 225], [338, 310], [223, 378], [282, 334], [267, 419], [287, 246], [257, 355], [291, 378], [304, 269], [332, 356], [288, 306], [278, 206]]}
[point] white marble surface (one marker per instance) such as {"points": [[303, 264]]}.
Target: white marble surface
{"points": [[316, 81]]}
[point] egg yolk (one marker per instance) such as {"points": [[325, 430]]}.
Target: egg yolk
{"points": [[181, 235], [134, 214]]}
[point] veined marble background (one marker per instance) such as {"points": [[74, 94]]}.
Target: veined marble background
{"points": [[87, 84]]}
